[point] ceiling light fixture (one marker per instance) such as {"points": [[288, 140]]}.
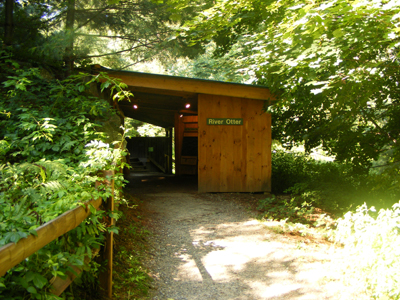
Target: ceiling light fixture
{"points": [[187, 105]]}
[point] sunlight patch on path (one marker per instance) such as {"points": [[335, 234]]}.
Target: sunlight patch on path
{"points": [[213, 250]]}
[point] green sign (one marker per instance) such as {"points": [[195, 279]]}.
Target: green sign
{"points": [[225, 121]]}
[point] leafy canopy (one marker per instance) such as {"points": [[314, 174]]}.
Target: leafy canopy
{"points": [[116, 34], [333, 65]]}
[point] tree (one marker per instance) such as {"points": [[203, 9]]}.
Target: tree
{"points": [[115, 33], [333, 65]]}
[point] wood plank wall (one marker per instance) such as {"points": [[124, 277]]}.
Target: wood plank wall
{"points": [[234, 158], [181, 124]]}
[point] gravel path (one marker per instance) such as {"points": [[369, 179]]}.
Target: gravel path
{"points": [[208, 247]]}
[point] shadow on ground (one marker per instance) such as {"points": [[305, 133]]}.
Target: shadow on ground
{"points": [[161, 183], [207, 246]]}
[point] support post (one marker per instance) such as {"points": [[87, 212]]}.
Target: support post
{"points": [[107, 253], [169, 150]]}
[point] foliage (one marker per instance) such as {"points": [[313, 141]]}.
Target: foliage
{"points": [[287, 170], [370, 239], [332, 186], [372, 242], [116, 34], [131, 280], [52, 149], [293, 209], [209, 66], [332, 64], [150, 130], [135, 128], [131, 127]]}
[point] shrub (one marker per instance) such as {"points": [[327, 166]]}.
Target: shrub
{"points": [[332, 186], [51, 150], [372, 242], [287, 170]]}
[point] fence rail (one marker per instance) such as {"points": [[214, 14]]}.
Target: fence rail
{"points": [[14, 253]]}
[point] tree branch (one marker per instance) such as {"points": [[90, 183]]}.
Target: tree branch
{"points": [[91, 19], [139, 61], [118, 52]]}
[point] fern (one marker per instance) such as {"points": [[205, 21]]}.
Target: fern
{"points": [[45, 171]]}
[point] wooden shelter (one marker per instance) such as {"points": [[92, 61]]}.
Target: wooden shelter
{"points": [[221, 131]]}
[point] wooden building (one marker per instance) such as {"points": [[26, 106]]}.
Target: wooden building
{"points": [[221, 132]]}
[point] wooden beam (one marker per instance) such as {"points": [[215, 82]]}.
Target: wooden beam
{"points": [[13, 253], [187, 111], [158, 120], [58, 285], [105, 276], [190, 85]]}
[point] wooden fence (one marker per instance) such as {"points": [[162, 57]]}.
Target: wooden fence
{"points": [[14, 253]]}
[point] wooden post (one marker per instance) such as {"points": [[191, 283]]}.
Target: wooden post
{"points": [[107, 253], [169, 151]]}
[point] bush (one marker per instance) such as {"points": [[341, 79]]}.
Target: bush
{"points": [[287, 170], [51, 150], [333, 186], [372, 242]]}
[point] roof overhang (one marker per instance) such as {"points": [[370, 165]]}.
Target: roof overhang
{"points": [[159, 97]]}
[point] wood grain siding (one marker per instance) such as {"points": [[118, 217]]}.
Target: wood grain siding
{"points": [[234, 158], [185, 126]]}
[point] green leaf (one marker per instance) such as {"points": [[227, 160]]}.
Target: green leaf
{"points": [[43, 174], [113, 229], [105, 85], [31, 290], [39, 281], [20, 86], [29, 276], [338, 33], [92, 209], [14, 237], [33, 232]]}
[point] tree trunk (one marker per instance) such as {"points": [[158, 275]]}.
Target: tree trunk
{"points": [[9, 23], [69, 28]]}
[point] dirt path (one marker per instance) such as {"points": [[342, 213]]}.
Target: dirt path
{"points": [[207, 246]]}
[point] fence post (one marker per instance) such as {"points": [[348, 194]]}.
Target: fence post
{"points": [[107, 253]]}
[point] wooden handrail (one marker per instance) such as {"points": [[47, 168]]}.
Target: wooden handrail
{"points": [[13, 253], [58, 285], [156, 164]]}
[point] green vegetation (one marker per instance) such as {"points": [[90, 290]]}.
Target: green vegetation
{"points": [[51, 151], [372, 241], [333, 66], [135, 128], [329, 199], [130, 277]]}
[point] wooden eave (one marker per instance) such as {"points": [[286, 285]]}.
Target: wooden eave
{"points": [[160, 97]]}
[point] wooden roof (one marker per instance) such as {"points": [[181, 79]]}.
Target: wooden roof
{"points": [[159, 97]]}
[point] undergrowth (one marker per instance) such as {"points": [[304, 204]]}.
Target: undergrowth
{"points": [[51, 152], [131, 279], [372, 241], [329, 198]]}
